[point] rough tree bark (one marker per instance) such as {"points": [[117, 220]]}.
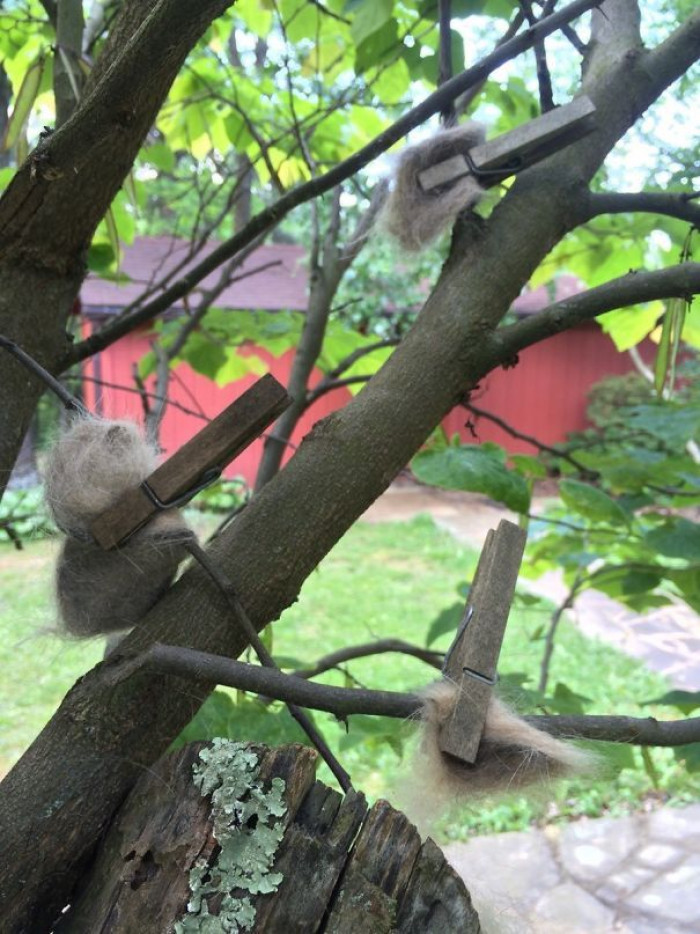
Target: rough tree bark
{"points": [[342, 867], [57, 800]]}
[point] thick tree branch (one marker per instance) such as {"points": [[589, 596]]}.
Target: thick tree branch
{"points": [[344, 702], [682, 206], [271, 216], [679, 281]]}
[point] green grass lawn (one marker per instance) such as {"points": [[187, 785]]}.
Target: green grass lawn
{"points": [[381, 580]]}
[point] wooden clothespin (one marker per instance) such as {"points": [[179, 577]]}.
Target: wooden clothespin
{"points": [[196, 464], [495, 160], [472, 660]]}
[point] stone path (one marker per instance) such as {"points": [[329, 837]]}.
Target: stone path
{"points": [[635, 875]]}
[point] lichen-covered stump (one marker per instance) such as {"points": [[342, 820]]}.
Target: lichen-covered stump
{"points": [[240, 837]]}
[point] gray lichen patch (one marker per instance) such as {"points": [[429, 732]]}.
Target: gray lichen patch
{"points": [[248, 829]]}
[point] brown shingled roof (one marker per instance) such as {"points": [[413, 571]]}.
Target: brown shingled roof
{"points": [[280, 286]]}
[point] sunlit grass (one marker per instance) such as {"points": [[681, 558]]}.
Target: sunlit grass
{"points": [[386, 580]]}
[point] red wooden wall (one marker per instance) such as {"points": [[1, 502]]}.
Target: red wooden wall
{"points": [[543, 396]]}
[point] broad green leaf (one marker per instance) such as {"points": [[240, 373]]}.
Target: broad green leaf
{"points": [[528, 466], [566, 701], [685, 701], [627, 327], [101, 257], [689, 755], [625, 584], [477, 469], [369, 17], [237, 365], [592, 503], [676, 538], [24, 101], [670, 422], [378, 47]]}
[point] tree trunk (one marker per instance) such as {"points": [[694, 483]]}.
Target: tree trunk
{"points": [[337, 867]]}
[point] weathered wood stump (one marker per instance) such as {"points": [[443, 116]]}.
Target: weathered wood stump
{"points": [[241, 837]]}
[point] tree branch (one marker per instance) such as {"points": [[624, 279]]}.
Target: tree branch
{"points": [[380, 647], [344, 702], [272, 215], [681, 206], [675, 282]]}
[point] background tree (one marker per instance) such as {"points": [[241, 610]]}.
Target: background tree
{"points": [[58, 799]]}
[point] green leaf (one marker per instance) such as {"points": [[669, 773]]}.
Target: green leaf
{"points": [[371, 15], [627, 327], [685, 701], [445, 622], [592, 503], [528, 466], [689, 755], [377, 47], [566, 701], [676, 538], [478, 469], [617, 756], [24, 101]]}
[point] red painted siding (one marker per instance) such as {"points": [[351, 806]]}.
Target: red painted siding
{"points": [[543, 396], [114, 368]]}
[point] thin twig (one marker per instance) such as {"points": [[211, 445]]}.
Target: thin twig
{"points": [[556, 617], [201, 557], [69, 400], [535, 442], [380, 647]]}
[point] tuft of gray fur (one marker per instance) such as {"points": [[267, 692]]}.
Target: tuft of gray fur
{"points": [[90, 467], [415, 217]]}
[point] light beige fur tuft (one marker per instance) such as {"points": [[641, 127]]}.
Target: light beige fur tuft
{"points": [[512, 755], [415, 217], [90, 467]]}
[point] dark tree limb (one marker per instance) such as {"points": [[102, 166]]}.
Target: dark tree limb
{"points": [[344, 702], [680, 205], [678, 281]]}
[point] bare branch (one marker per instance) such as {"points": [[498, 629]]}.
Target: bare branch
{"points": [[678, 281], [380, 647], [272, 215], [344, 702]]}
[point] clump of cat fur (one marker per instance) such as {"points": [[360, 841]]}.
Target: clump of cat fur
{"points": [[413, 217], [89, 468]]}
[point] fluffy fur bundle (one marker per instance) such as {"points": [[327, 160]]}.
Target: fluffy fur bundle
{"points": [[512, 755], [415, 217], [89, 468]]}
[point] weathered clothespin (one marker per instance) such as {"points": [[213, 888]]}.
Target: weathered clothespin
{"points": [[472, 660], [527, 144], [196, 464]]}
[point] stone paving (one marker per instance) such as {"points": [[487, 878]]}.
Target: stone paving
{"points": [[635, 875]]}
